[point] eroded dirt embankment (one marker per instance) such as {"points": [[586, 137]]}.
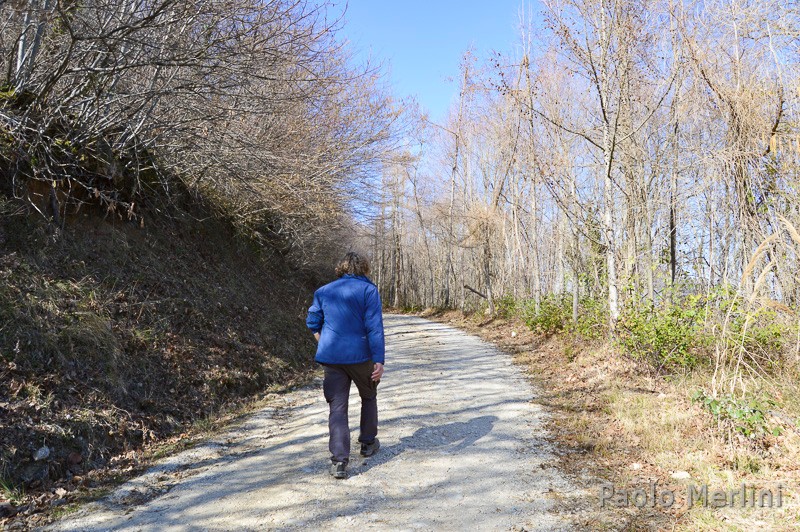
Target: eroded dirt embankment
{"points": [[117, 338]]}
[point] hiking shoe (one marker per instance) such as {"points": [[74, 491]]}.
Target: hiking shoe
{"points": [[368, 449], [338, 470]]}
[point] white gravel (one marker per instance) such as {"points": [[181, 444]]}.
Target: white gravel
{"points": [[463, 448]]}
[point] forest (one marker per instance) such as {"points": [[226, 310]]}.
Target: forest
{"points": [[629, 170]]}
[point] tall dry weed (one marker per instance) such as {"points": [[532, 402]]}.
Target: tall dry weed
{"points": [[755, 330]]}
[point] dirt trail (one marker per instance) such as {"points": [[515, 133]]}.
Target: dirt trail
{"points": [[462, 449]]}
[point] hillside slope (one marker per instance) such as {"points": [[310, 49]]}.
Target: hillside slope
{"points": [[115, 335]]}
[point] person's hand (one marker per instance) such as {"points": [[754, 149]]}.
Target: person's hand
{"points": [[378, 372]]}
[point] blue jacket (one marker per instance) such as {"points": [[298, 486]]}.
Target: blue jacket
{"points": [[348, 315]]}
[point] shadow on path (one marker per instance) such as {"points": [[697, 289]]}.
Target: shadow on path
{"points": [[450, 438]]}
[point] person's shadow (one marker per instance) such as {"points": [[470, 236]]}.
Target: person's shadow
{"points": [[450, 438]]}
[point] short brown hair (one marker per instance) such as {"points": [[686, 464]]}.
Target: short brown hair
{"points": [[354, 264]]}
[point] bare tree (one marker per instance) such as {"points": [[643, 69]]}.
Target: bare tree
{"points": [[255, 105]]}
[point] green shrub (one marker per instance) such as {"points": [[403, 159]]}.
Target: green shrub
{"points": [[592, 319], [507, 307], [745, 416], [554, 314], [667, 337], [759, 332]]}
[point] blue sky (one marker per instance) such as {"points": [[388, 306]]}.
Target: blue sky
{"points": [[422, 42]]}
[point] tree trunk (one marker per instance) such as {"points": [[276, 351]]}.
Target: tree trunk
{"points": [[487, 274], [609, 233]]}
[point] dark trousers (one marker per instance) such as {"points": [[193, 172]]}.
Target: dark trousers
{"points": [[336, 388]]}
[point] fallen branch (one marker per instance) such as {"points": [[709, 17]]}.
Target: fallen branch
{"points": [[468, 287]]}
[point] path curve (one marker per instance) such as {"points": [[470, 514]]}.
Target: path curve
{"points": [[463, 448]]}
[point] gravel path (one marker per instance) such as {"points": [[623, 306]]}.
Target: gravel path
{"points": [[462, 449]]}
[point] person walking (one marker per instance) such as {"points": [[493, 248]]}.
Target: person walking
{"points": [[347, 321]]}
